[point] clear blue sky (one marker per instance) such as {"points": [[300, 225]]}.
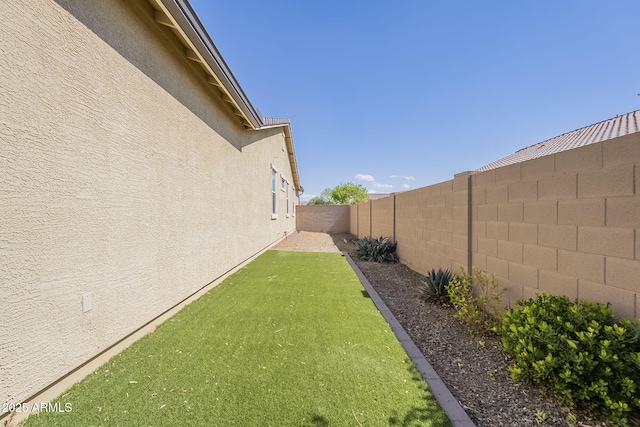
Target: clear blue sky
{"points": [[381, 91]]}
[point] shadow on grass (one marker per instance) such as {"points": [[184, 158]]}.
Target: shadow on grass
{"points": [[418, 416], [365, 294], [317, 421]]}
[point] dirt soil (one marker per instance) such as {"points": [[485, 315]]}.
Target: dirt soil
{"points": [[306, 241], [474, 368]]}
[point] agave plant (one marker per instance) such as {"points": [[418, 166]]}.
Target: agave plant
{"points": [[377, 249], [434, 288]]}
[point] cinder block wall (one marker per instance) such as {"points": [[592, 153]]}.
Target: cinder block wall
{"points": [[431, 225], [364, 219], [565, 224], [415, 244], [353, 219], [324, 218], [382, 217]]}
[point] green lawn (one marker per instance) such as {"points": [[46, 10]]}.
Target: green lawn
{"points": [[292, 339]]}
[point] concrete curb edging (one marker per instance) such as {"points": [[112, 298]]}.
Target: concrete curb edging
{"points": [[447, 401]]}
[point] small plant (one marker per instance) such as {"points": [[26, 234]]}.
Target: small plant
{"points": [[578, 351], [434, 288], [377, 249], [541, 416], [478, 313]]}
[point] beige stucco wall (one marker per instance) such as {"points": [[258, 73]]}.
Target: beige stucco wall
{"points": [[323, 218], [125, 183], [567, 224]]}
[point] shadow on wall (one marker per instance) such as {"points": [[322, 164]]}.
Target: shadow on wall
{"points": [[139, 44]]}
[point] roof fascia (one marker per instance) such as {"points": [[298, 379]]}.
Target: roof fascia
{"points": [[192, 30], [291, 152], [180, 16], [288, 139]]}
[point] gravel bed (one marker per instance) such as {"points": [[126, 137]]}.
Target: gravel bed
{"points": [[474, 368]]}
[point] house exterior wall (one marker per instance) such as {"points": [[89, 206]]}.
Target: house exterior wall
{"points": [[126, 184], [565, 224], [323, 218]]}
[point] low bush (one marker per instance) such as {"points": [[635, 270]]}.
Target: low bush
{"points": [[578, 351], [377, 249], [478, 313], [434, 287]]}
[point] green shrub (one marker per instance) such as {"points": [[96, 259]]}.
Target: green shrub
{"points": [[578, 351], [434, 287], [377, 249], [478, 313]]}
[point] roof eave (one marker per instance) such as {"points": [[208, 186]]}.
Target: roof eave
{"points": [[288, 138], [181, 17], [183, 20]]}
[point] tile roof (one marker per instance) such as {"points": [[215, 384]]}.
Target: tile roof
{"points": [[617, 126]]}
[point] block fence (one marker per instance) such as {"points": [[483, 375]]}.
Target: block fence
{"points": [[566, 223], [323, 218]]}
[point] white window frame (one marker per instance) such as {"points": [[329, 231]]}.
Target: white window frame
{"points": [[287, 194], [274, 194]]}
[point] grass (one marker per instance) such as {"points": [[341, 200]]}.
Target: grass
{"points": [[292, 339]]}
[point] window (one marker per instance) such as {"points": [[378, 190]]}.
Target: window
{"points": [[287, 199], [274, 210], [282, 182]]}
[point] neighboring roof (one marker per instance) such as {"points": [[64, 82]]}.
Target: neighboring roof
{"points": [[179, 16], [617, 126]]}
